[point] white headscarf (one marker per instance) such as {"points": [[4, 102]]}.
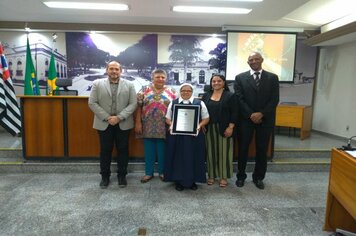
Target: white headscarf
{"points": [[186, 84], [180, 96]]}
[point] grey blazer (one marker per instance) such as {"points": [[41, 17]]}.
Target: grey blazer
{"points": [[100, 102]]}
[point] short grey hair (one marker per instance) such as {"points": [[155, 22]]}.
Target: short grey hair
{"points": [[158, 71]]}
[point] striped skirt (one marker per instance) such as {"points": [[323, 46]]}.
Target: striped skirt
{"points": [[219, 153]]}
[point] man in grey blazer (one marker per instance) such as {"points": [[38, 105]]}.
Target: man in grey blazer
{"points": [[113, 101], [258, 93]]}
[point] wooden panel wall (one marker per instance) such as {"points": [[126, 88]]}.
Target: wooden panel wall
{"points": [[83, 140], [43, 127], [61, 126]]}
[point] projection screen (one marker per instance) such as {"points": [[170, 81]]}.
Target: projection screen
{"points": [[277, 49]]}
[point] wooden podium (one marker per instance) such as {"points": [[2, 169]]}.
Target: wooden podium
{"points": [[62, 127], [341, 200], [295, 116]]}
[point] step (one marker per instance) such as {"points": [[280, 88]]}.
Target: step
{"points": [[11, 161], [298, 153]]}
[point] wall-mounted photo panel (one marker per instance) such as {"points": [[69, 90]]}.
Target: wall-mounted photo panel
{"points": [[185, 58], [41, 47]]}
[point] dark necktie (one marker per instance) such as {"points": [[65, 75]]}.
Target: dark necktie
{"points": [[257, 78]]}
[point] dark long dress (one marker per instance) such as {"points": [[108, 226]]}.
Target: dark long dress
{"points": [[185, 158]]}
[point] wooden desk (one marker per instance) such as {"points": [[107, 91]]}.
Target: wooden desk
{"points": [[62, 127], [341, 200], [295, 116]]}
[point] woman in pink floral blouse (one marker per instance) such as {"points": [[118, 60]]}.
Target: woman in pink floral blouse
{"points": [[150, 123]]}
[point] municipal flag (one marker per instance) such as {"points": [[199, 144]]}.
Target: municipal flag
{"points": [[10, 116], [31, 82]]}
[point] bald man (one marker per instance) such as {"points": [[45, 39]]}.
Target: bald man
{"points": [[258, 93], [113, 101]]}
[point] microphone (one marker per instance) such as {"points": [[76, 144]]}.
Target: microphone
{"points": [[349, 147]]}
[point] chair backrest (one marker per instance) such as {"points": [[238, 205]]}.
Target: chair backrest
{"points": [[64, 83], [207, 88], [200, 95], [65, 92]]}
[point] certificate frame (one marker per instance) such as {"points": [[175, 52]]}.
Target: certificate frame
{"points": [[185, 119]]}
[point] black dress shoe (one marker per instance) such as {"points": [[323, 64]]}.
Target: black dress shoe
{"points": [[179, 187], [194, 186], [122, 181], [104, 183], [240, 183], [259, 183]]}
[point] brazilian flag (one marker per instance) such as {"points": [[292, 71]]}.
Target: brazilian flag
{"points": [[31, 82]]}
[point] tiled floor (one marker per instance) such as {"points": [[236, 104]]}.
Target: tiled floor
{"points": [[293, 203], [316, 141], [7, 141], [73, 204]]}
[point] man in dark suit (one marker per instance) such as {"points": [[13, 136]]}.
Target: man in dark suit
{"points": [[258, 93], [113, 101]]}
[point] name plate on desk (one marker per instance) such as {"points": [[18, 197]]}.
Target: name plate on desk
{"points": [[185, 119]]}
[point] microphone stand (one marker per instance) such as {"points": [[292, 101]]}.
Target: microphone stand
{"points": [[349, 147]]}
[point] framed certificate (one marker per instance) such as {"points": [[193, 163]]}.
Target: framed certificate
{"points": [[185, 119]]}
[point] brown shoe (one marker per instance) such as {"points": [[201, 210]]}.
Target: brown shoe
{"points": [[210, 181], [146, 178], [223, 183]]}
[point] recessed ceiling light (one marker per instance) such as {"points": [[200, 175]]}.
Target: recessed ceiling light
{"points": [[226, 1], [218, 10], [88, 6]]}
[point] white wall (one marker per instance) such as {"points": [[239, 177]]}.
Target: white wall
{"points": [[300, 93], [335, 95]]}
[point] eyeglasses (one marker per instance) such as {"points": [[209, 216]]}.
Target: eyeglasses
{"points": [[186, 91]]}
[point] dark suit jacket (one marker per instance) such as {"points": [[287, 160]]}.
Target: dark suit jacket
{"points": [[228, 109], [263, 99]]}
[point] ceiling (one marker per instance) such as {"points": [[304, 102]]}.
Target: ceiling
{"points": [[158, 12], [270, 13]]}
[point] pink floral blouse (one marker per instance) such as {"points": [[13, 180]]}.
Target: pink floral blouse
{"points": [[154, 107]]}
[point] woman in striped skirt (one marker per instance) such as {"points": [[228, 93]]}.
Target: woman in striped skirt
{"points": [[223, 109]]}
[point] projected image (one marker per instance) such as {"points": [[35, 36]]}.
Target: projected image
{"points": [[278, 51]]}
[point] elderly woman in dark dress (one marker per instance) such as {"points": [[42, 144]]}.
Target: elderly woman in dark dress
{"points": [[185, 154]]}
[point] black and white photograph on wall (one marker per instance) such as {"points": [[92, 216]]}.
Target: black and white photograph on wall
{"points": [[82, 57], [185, 58], [41, 46]]}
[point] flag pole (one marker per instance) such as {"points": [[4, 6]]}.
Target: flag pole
{"points": [[54, 37]]}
